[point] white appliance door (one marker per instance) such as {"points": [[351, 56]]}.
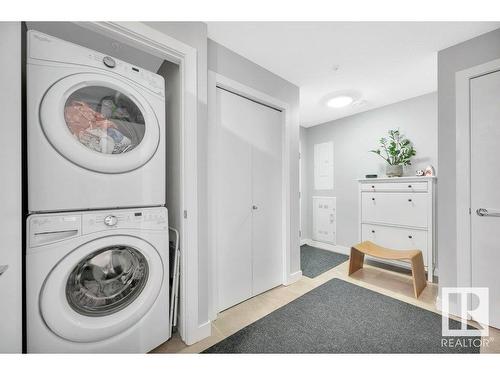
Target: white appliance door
{"points": [[99, 122], [101, 288], [249, 203], [485, 193]]}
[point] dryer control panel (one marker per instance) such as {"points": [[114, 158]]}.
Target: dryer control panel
{"points": [[45, 47]]}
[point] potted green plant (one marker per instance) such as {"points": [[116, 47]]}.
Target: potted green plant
{"points": [[397, 151]]}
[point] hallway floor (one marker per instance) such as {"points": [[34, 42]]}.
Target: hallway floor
{"points": [[390, 283]]}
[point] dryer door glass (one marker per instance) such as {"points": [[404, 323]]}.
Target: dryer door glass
{"points": [[104, 120], [107, 280]]}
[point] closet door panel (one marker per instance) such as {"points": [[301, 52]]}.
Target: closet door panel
{"points": [[234, 214], [267, 198]]}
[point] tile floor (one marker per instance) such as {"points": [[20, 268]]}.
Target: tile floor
{"points": [[390, 283]]}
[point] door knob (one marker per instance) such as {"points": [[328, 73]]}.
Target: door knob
{"points": [[254, 207], [486, 212]]}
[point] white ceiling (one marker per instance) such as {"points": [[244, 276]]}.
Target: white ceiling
{"points": [[379, 62]]}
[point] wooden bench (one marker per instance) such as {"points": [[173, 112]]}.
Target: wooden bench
{"points": [[369, 248]]}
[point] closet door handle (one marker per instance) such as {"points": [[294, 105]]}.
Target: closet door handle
{"points": [[487, 212], [3, 268]]}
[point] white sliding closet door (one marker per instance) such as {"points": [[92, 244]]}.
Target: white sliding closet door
{"points": [[266, 192], [249, 207]]}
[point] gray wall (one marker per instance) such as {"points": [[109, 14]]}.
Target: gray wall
{"points": [[353, 137], [10, 188], [240, 69], [305, 226], [195, 35], [451, 60]]}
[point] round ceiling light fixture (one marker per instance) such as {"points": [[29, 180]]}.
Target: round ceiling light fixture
{"points": [[340, 101]]}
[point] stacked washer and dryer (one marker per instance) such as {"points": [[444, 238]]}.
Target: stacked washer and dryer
{"points": [[97, 257]]}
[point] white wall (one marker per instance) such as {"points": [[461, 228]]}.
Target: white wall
{"points": [[231, 65], [10, 188], [353, 137], [473, 52]]}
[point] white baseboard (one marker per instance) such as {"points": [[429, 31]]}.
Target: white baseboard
{"points": [[327, 246], [203, 331], [303, 241], [293, 277]]}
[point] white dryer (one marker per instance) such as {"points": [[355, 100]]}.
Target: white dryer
{"points": [[96, 129], [97, 281]]}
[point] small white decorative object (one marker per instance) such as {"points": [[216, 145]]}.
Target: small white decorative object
{"points": [[429, 171], [420, 172]]}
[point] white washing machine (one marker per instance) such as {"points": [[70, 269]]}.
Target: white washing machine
{"points": [[97, 281], [96, 129]]}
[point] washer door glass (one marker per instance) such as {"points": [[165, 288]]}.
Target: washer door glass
{"points": [[107, 280], [104, 120]]}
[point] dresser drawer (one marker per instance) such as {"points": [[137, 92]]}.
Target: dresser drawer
{"points": [[396, 238], [420, 186], [405, 209]]}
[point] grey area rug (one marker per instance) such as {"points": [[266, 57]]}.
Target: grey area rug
{"points": [[314, 261], [340, 317]]}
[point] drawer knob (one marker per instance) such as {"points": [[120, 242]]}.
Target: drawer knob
{"points": [[373, 231], [409, 200], [409, 186], [373, 199], [373, 186], [410, 237]]}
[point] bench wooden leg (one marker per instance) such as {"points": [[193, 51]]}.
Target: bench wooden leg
{"points": [[355, 260], [418, 273]]}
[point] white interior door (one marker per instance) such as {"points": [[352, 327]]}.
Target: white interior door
{"points": [[248, 212], [485, 182], [234, 213], [266, 197]]}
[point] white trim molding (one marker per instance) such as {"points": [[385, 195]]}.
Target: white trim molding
{"points": [[463, 177], [217, 80], [159, 44]]}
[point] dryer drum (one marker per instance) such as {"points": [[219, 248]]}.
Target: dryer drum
{"points": [[107, 280]]}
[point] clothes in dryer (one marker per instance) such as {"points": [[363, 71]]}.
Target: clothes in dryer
{"points": [[96, 130]]}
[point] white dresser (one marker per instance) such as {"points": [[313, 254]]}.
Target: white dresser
{"points": [[398, 213]]}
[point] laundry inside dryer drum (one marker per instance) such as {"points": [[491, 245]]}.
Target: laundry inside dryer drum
{"points": [[107, 280], [104, 120]]}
